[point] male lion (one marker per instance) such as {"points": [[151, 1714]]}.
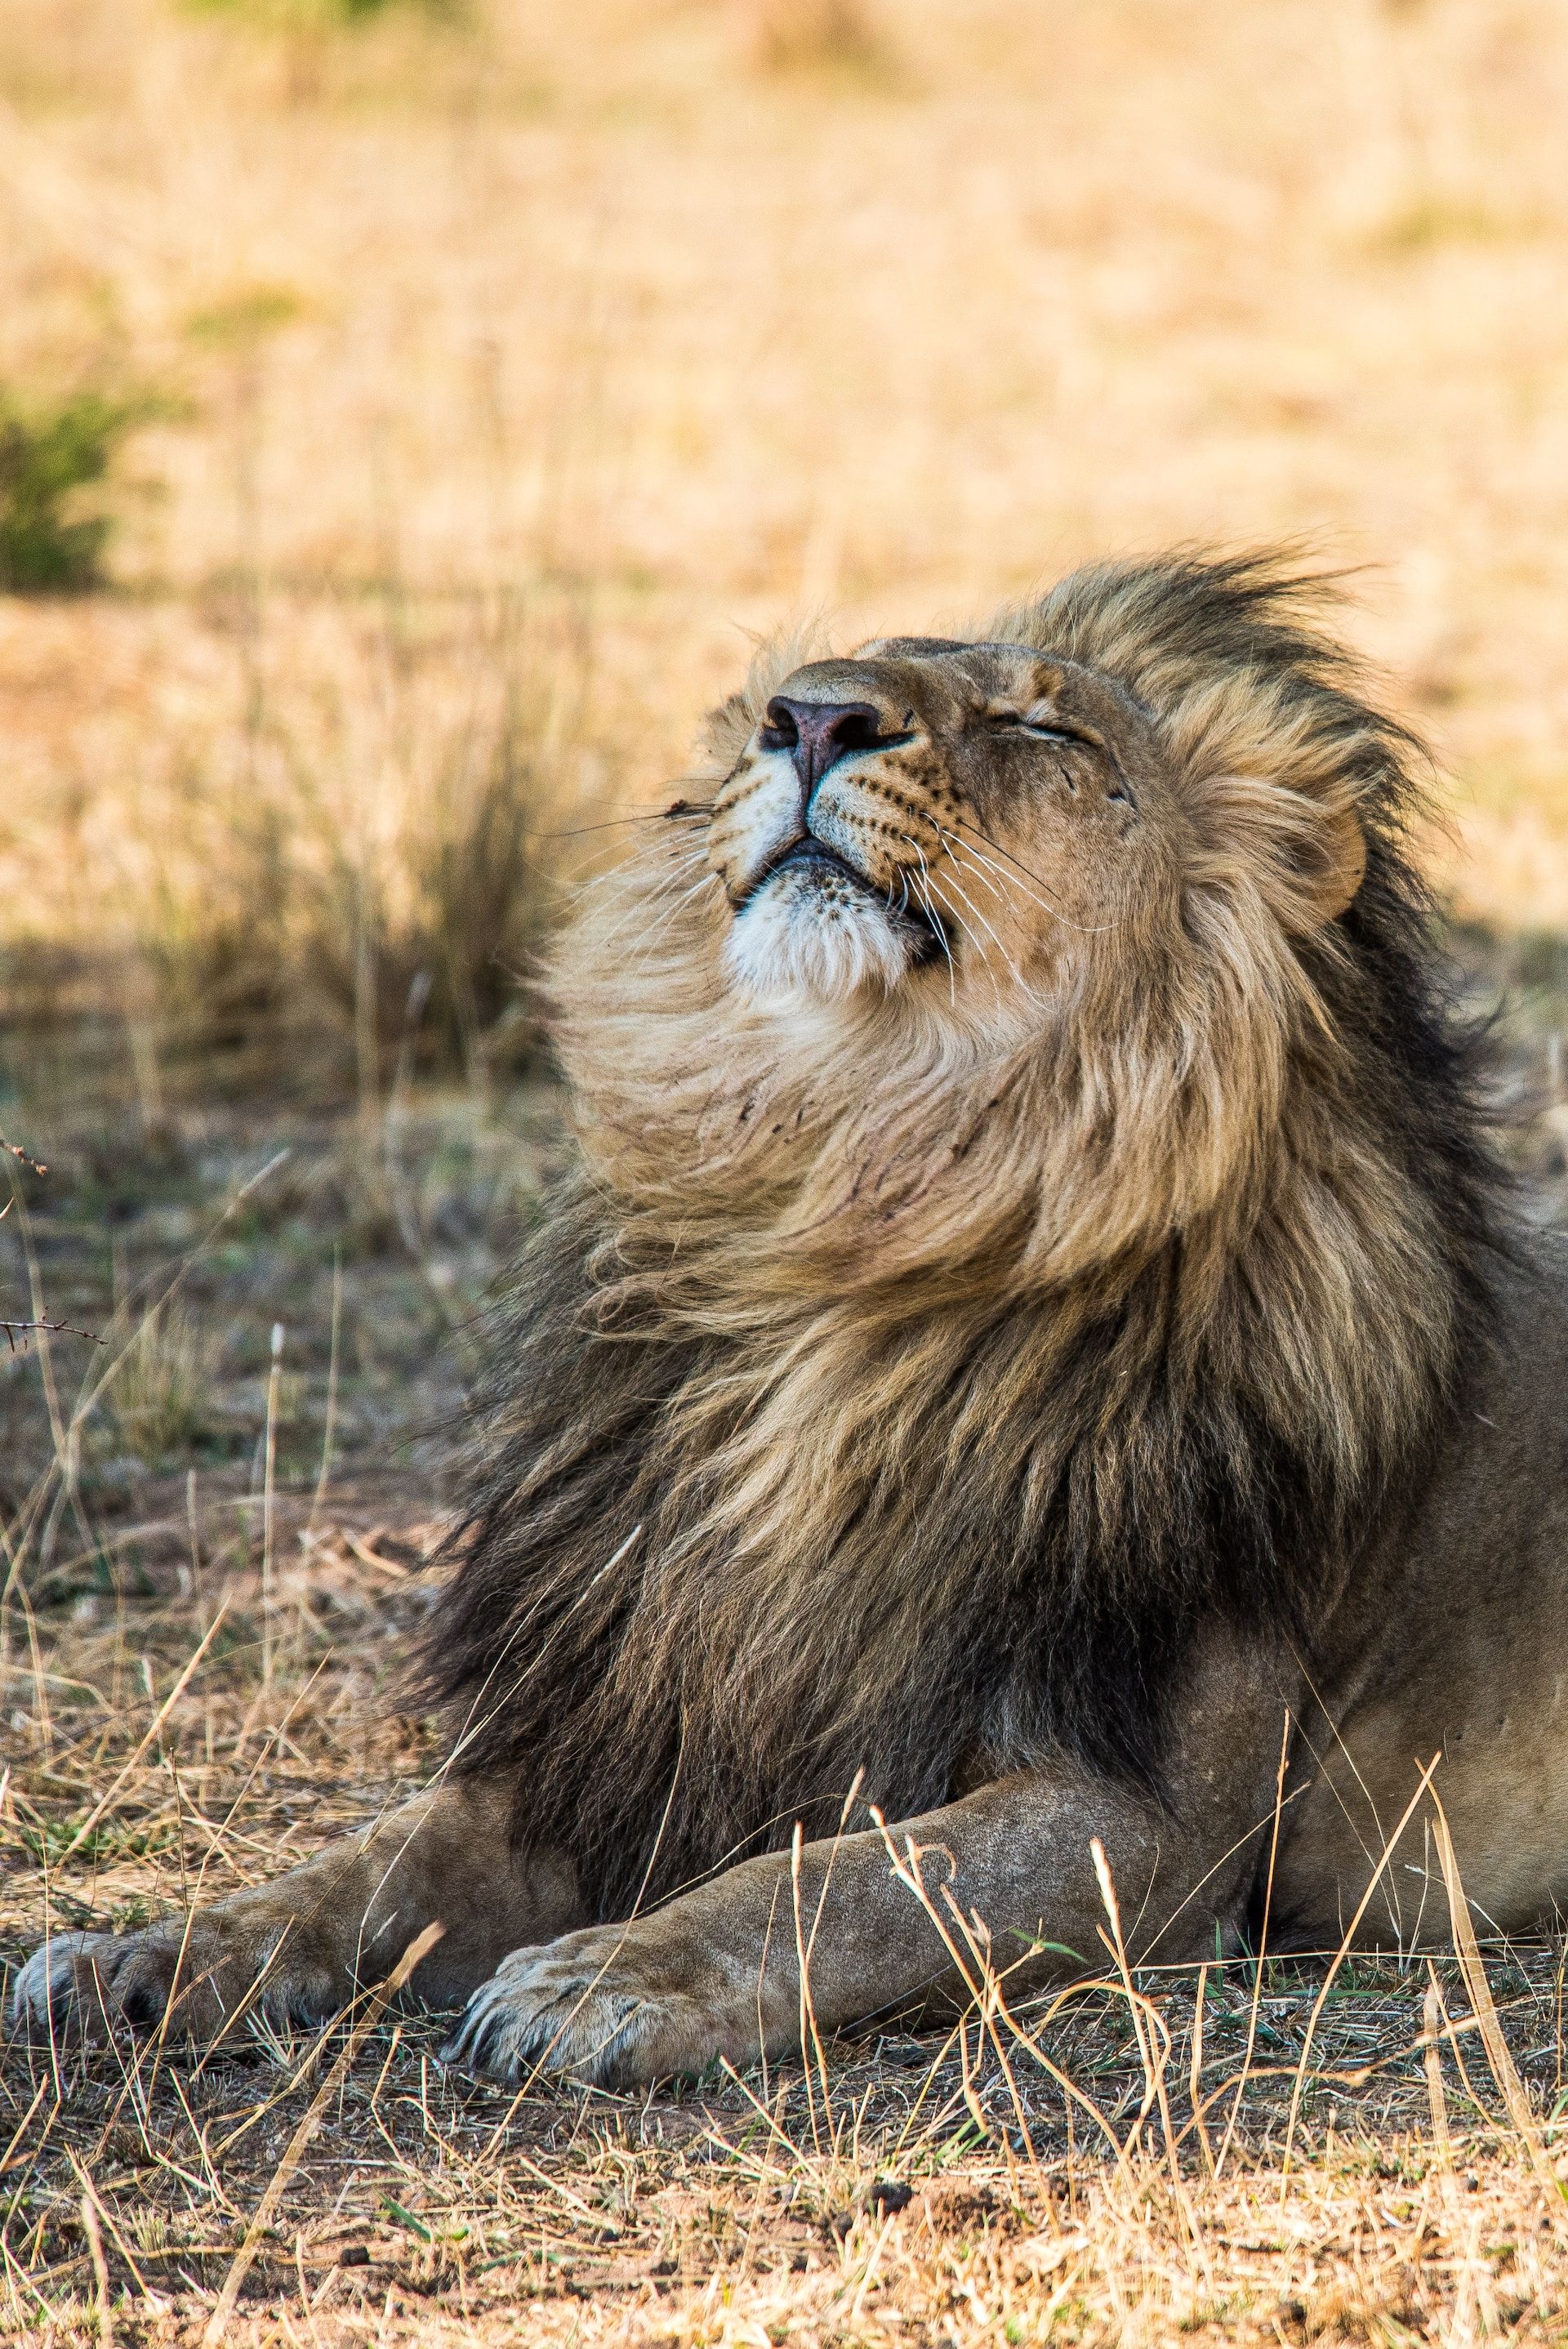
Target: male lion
{"points": [[1036, 1347]]}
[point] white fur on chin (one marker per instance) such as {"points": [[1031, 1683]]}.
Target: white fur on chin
{"points": [[802, 936]]}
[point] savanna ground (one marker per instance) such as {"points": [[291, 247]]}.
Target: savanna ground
{"points": [[476, 379]]}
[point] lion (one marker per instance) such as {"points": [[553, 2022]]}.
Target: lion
{"points": [[1038, 1383]]}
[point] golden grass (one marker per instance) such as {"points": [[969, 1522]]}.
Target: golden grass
{"points": [[529, 359]]}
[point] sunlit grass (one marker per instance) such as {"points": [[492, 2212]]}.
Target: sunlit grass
{"points": [[521, 365]]}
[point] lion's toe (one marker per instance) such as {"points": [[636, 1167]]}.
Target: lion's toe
{"points": [[93, 1983], [197, 1974], [553, 2010], [61, 1984]]}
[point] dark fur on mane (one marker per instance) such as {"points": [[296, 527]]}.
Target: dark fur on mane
{"points": [[1084, 1506]]}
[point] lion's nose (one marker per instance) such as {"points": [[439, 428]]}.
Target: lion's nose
{"points": [[817, 734]]}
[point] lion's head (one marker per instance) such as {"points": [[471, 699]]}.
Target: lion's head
{"points": [[1034, 1199], [998, 964], [963, 821]]}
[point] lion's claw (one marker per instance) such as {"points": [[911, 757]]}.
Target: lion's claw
{"points": [[610, 2004], [200, 1973], [551, 2008], [47, 1990]]}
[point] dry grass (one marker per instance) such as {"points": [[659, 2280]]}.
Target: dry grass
{"points": [[522, 360], [426, 2206], [215, 1572], [514, 364]]}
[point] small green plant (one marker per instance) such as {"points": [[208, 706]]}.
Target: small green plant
{"points": [[242, 319], [48, 454]]}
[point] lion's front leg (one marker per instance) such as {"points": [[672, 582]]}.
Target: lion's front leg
{"points": [[716, 1972], [298, 1948]]}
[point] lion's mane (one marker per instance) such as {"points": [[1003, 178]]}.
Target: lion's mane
{"points": [[880, 1411]]}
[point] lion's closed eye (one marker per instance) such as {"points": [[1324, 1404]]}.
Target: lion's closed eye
{"points": [[1044, 726]]}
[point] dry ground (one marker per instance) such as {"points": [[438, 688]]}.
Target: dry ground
{"points": [[218, 1521], [515, 363]]}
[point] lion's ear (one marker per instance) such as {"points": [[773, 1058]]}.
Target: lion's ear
{"points": [[1330, 865], [1305, 851]]}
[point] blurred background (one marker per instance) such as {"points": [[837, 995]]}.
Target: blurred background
{"points": [[409, 412]]}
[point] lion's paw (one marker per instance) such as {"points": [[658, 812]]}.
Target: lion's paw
{"points": [[201, 1973], [586, 2004], [49, 1990]]}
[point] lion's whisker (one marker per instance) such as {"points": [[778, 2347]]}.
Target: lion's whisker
{"points": [[934, 918], [924, 885], [980, 866], [632, 927], [645, 904], [1089, 929], [967, 930], [635, 864], [984, 925], [986, 865], [967, 927], [656, 928], [1008, 894], [682, 811], [708, 880], [1009, 890]]}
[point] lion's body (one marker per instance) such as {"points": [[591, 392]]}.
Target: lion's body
{"points": [[1452, 1639], [1037, 1337]]}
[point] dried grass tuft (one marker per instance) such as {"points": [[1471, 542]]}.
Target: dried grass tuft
{"points": [[160, 1400]]}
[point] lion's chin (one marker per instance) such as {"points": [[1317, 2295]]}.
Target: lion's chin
{"points": [[799, 937]]}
